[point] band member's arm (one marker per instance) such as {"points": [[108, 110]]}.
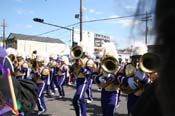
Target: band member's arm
{"points": [[126, 81], [45, 74], [104, 78], [122, 79], [99, 79], [88, 69], [23, 68], [66, 70], [142, 77]]}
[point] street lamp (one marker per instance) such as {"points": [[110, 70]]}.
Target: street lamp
{"points": [[42, 21], [39, 20]]}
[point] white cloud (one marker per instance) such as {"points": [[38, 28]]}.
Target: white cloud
{"points": [[113, 16], [86, 18], [99, 12], [84, 8], [23, 25], [29, 26], [21, 11], [130, 7], [127, 22], [92, 11], [31, 12]]}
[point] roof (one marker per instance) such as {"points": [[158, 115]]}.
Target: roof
{"points": [[33, 38]]}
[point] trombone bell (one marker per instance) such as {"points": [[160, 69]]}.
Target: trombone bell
{"points": [[149, 62], [109, 64], [76, 52]]}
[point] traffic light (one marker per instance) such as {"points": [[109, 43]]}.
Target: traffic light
{"points": [[38, 20]]}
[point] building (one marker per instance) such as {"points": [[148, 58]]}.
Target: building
{"points": [[124, 54], [99, 39], [93, 40], [29, 43]]}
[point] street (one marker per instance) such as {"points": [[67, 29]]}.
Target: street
{"points": [[64, 107]]}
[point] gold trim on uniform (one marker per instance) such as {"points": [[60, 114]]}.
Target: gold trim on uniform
{"points": [[42, 70]]}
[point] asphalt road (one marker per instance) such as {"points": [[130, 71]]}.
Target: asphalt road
{"points": [[64, 107]]}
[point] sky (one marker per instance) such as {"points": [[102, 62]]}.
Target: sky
{"points": [[19, 14]]}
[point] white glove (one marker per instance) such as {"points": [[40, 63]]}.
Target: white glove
{"points": [[108, 76], [102, 80], [132, 84], [140, 74]]}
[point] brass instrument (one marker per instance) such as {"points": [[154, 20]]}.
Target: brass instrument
{"points": [[76, 52], [129, 72], [148, 63], [109, 64]]}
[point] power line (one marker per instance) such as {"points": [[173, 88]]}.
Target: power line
{"points": [[96, 20], [57, 29], [103, 19], [112, 18]]}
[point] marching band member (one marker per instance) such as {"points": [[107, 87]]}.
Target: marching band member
{"points": [[133, 76], [11, 52], [62, 72], [106, 79], [21, 67], [52, 70], [82, 70], [40, 77], [90, 81], [150, 62]]}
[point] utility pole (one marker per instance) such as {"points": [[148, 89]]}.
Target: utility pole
{"points": [[72, 36], [146, 19], [81, 36], [3, 36]]}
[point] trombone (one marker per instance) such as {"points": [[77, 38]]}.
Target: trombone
{"points": [[148, 63], [109, 64], [76, 52]]}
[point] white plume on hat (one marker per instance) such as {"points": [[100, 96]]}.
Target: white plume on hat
{"points": [[92, 56], [20, 54], [11, 51], [84, 47], [53, 55], [109, 48], [139, 49], [65, 59], [42, 57]]}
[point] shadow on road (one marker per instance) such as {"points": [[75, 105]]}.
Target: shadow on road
{"points": [[35, 114], [93, 110]]}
